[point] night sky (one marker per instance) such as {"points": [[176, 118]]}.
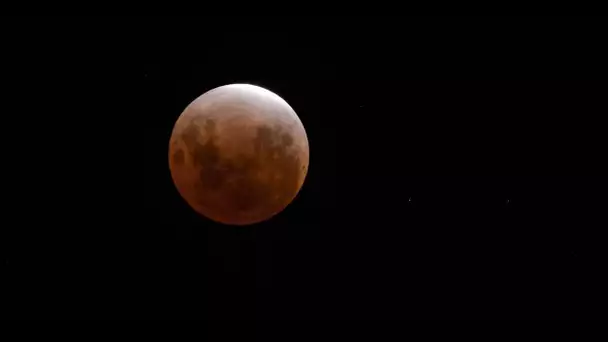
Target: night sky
{"points": [[457, 170]]}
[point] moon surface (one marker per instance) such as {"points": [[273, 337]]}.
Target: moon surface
{"points": [[238, 154]]}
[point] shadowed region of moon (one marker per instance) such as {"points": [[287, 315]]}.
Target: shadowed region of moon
{"points": [[178, 157], [238, 164]]}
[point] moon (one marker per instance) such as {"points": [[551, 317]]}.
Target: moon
{"points": [[238, 154]]}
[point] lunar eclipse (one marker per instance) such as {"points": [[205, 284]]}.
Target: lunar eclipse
{"points": [[238, 154]]}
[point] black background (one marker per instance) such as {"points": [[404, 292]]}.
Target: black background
{"points": [[456, 168]]}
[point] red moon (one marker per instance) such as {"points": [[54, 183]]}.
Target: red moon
{"points": [[238, 154]]}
